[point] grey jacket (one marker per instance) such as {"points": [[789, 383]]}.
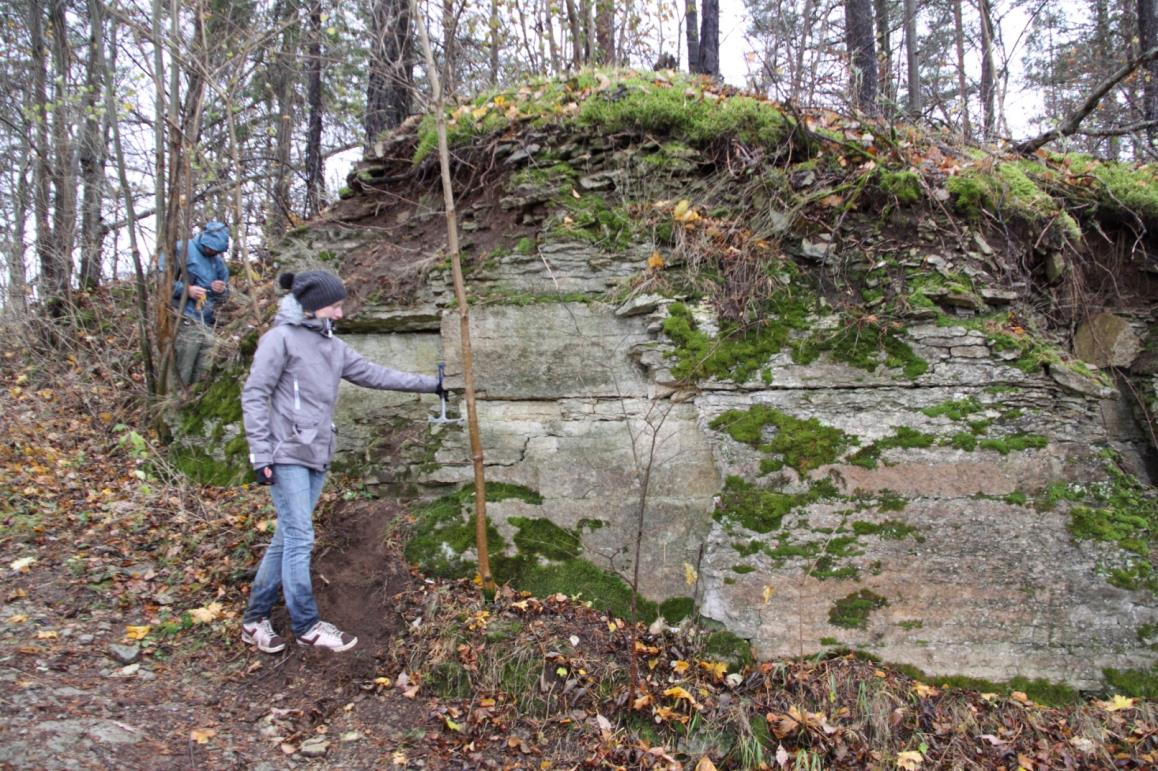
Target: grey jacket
{"points": [[288, 399]]}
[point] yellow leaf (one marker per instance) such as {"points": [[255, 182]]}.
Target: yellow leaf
{"points": [[21, 565], [136, 632], [47, 634], [19, 618], [478, 112], [716, 669], [575, 194], [669, 714], [910, 760], [399, 759], [768, 593], [456, 727], [641, 702], [690, 574], [500, 100], [207, 614], [655, 261], [679, 693], [680, 666], [681, 210], [1019, 696], [924, 691], [1117, 703], [705, 764], [382, 681], [202, 735]]}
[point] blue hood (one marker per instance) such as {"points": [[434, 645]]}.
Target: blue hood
{"points": [[214, 236]]}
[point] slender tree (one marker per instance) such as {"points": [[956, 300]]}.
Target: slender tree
{"points": [[93, 143], [1147, 39], [692, 27], [858, 20], [988, 86], [709, 63], [390, 83], [962, 89], [912, 57], [315, 178]]}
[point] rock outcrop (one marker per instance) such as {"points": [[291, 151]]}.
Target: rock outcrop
{"points": [[900, 460]]}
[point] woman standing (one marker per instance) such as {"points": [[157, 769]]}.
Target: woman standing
{"points": [[288, 403]]}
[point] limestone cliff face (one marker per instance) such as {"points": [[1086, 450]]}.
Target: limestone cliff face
{"points": [[937, 502]]}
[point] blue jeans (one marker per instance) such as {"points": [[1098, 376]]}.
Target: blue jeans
{"points": [[286, 564]]}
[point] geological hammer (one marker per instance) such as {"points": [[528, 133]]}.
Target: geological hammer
{"points": [[442, 419]]}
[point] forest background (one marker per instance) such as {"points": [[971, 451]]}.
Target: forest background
{"points": [[131, 123]]}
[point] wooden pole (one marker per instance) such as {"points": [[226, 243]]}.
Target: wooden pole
{"points": [[480, 496]]}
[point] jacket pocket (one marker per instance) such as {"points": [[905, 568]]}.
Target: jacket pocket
{"points": [[298, 427]]}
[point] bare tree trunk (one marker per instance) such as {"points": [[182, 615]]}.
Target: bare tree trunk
{"points": [[605, 31], [1147, 39], [159, 141], [92, 154], [141, 284], [16, 303], [858, 20], [692, 27], [798, 64], [315, 179], [1103, 47], [281, 75], [449, 46], [884, 54], [494, 40], [390, 85], [576, 28], [710, 39], [42, 174], [962, 91], [65, 170], [480, 491], [988, 75], [544, 25], [912, 57]]}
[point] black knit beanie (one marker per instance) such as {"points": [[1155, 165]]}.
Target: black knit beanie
{"points": [[314, 289]]}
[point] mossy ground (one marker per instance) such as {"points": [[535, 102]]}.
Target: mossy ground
{"points": [[211, 448], [802, 444], [544, 559]]}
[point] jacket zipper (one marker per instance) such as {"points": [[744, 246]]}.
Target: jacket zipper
{"points": [[297, 396]]}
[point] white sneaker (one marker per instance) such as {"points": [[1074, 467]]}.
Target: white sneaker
{"points": [[262, 635], [325, 635]]}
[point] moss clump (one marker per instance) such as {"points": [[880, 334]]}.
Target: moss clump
{"points": [[1010, 187], [864, 346], [802, 444], [904, 185], [726, 646], [1139, 683], [964, 440], [210, 447], [890, 529], [449, 680], [676, 609], [1125, 512], [590, 218], [1124, 188], [852, 612], [682, 110], [904, 438], [544, 538], [738, 352], [760, 510], [954, 410], [444, 530], [1015, 443]]}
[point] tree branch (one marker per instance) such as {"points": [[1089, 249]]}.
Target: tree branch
{"points": [[1071, 124]]}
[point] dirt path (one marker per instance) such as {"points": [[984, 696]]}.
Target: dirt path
{"points": [[207, 701]]}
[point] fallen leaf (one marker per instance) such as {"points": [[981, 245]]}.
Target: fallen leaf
{"points": [[680, 666], [202, 735], [705, 764], [655, 261], [47, 634], [19, 618], [456, 727], [21, 565], [207, 614], [781, 756], [910, 760], [136, 632], [382, 681], [1117, 703], [924, 691], [768, 593], [717, 669], [678, 693], [1020, 697]]}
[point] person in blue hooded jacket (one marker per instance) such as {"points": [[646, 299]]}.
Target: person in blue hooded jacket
{"points": [[204, 283]]}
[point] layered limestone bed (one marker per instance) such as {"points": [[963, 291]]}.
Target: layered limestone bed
{"points": [[941, 550]]}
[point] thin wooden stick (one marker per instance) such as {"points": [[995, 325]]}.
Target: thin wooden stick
{"points": [[480, 490]]}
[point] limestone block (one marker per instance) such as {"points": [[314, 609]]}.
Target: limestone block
{"points": [[549, 351], [1107, 340]]}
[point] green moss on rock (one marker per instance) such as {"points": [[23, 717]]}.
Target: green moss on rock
{"points": [[761, 510], [803, 444], [852, 612]]}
